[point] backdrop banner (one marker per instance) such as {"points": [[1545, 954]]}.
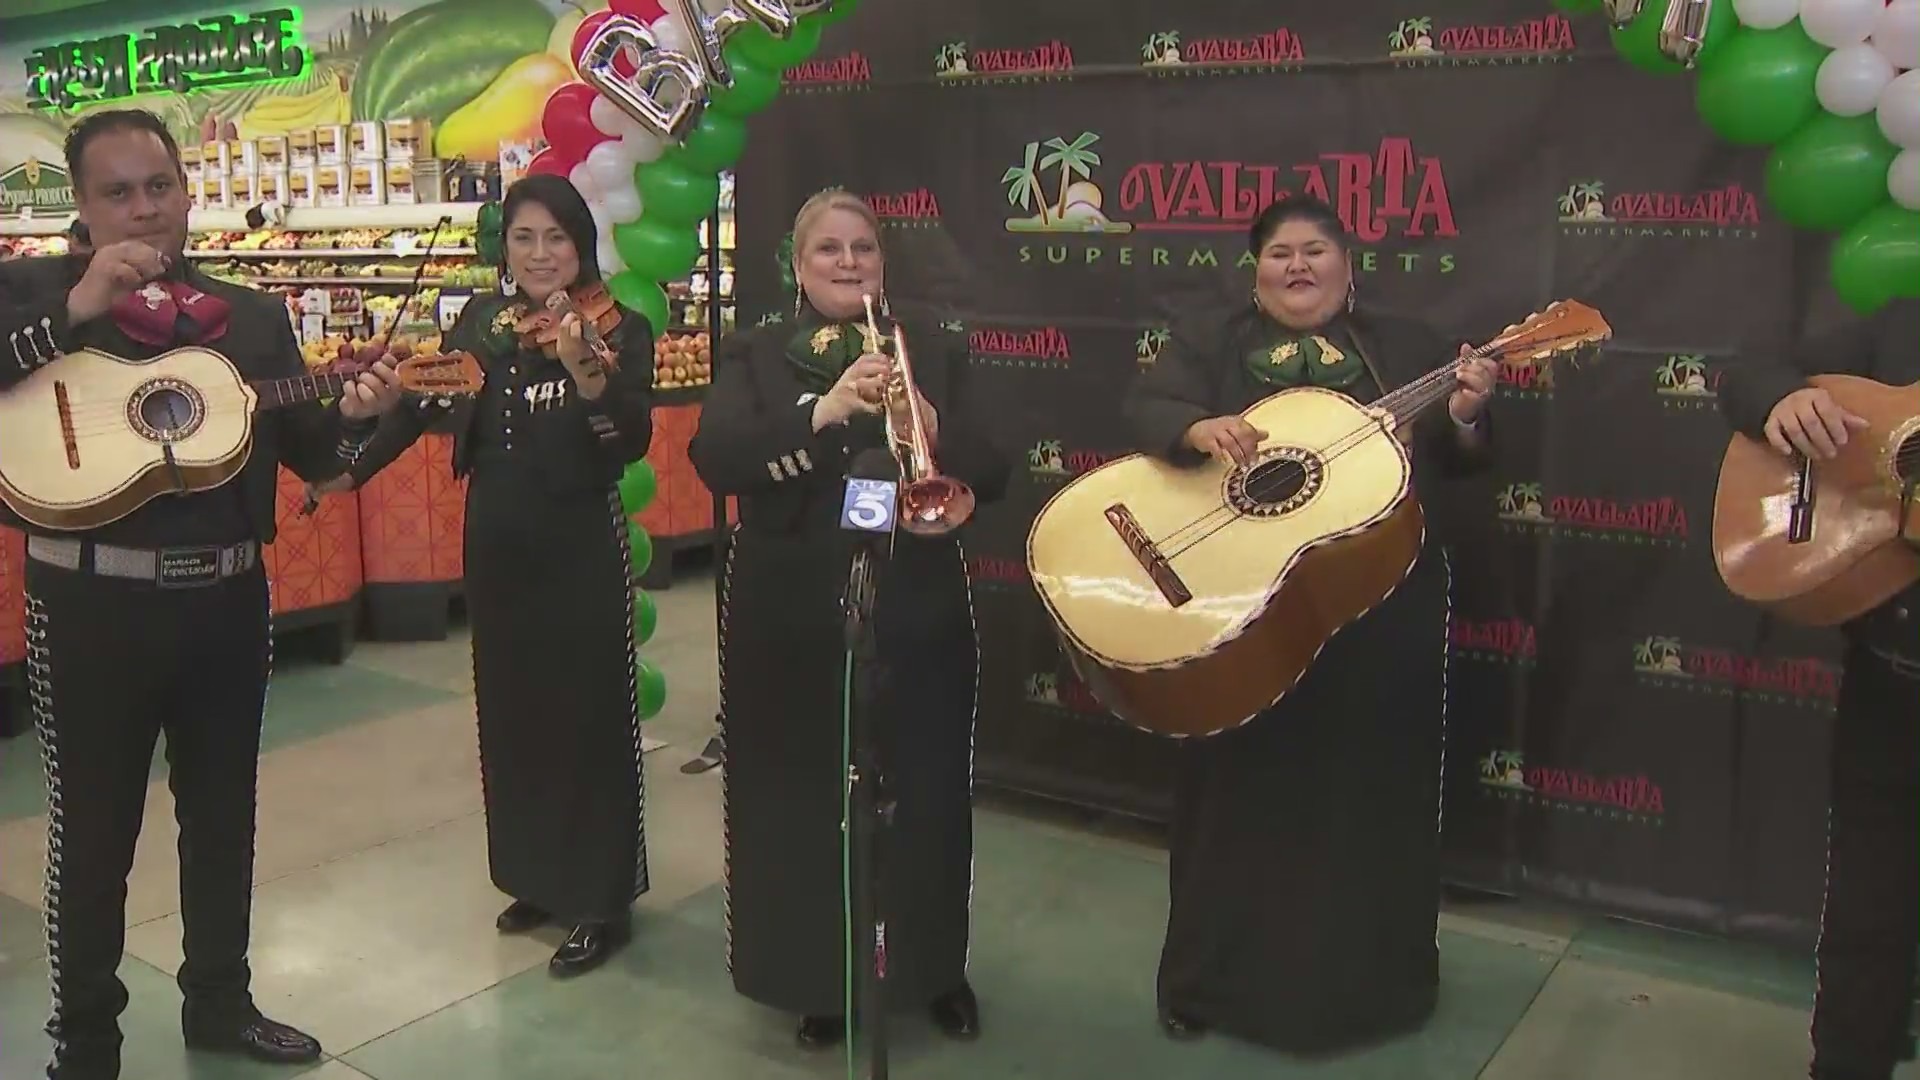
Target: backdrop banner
{"points": [[1066, 178]]}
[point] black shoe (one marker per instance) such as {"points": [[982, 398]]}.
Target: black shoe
{"points": [[521, 917], [957, 1013], [588, 947], [821, 1032], [260, 1039], [1184, 1028]]}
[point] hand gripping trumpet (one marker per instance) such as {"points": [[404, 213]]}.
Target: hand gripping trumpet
{"points": [[930, 504]]}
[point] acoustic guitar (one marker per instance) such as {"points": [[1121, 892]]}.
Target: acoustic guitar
{"points": [[1824, 542], [1190, 599], [92, 437]]}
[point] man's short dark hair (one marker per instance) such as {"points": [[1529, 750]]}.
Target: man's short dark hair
{"points": [[101, 123]]}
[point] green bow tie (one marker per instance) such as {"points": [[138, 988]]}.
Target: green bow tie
{"points": [[1305, 360]]}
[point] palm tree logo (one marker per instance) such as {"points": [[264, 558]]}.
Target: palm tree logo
{"points": [[954, 326], [1146, 349], [1684, 375], [1523, 502], [1077, 208], [770, 318], [1047, 457], [1585, 200], [1504, 768], [951, 60], [1413, 37], [1162, 50], [1042, 687], [1659, 655]]}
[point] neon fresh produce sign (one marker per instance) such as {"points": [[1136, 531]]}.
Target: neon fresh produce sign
{"points": [[215, 52]]}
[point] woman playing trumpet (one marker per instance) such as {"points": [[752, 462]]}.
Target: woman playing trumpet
{"points": [[791, 405]]}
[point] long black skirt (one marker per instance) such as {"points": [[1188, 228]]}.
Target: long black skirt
{"points": [[783, 674], [1305, 852], [551, 607]]}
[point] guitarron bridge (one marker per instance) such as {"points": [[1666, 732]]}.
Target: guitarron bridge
{"points": [[1158, 568]]}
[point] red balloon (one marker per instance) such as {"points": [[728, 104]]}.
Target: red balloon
{"points": [[547, 161], [568, 121], [644, 10], [622, 62]]}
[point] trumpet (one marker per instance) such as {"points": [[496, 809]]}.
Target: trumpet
{"points": [[930, 504]]}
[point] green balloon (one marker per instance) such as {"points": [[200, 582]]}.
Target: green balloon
{"points": [[637, 487], [1878, 259], [753, 89], [1639, 41], [674, 192], [777, 54], [713, 145], [652, 689], [646, 616], [656, 250], [643, 296], [843, 8], [1830, 172], [1757, 87], [641, 546], [1576, 7]]}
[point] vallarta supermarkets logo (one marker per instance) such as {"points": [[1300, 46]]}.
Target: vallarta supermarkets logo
{"points": [[956, 61], [1669, 663], [1659, 521], [1175, 213], [1049, 459], [1588, 210], [1531, 41], [1165, 53], [1628, 798], [1042, 347]]}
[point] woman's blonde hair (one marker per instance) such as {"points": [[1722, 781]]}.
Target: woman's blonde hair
{"points": [[831, 199]]}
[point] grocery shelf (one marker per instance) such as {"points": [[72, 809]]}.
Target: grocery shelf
{"points": [[304, 219], [425, 282], [313, 252]]}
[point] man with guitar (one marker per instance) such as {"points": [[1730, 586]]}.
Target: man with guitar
{"points": [[159, 620], [1868, 927]]}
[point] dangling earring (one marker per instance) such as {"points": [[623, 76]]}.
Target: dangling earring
{"points": [[798, 295], [1349, 294], [886, 309], [1254, 295], [507, 286]]}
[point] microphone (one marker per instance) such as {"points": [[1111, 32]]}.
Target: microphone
{"points": [[872, 494]]}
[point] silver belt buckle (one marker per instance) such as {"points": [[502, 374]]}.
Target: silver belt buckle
{"points": [[187, 568]]}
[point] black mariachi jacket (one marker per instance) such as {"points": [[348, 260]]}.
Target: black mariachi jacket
{"points": [[756, 437], [612, 432], [1199, 373], [1885, 348], [312, 440]]}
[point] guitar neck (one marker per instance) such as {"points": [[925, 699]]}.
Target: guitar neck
{"points": [[1436, 386], [279, 393]]}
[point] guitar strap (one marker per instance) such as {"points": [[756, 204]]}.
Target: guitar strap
{"points": [[1366, 357]]}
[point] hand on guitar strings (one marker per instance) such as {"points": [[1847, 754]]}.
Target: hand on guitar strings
{"points": [[370, 393], [1477, 377], [112, 272], [1809, 422], [1230, 440]]}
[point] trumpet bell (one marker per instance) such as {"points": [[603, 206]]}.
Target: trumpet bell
{"points": [[935, 506]]}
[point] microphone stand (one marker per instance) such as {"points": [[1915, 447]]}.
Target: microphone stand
{"points": [[870, 805]]}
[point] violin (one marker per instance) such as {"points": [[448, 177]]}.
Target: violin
{"points": [[599, 315]]}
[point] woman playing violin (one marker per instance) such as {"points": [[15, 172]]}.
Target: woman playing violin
{"points": [[548, 574], [1305, 851]]}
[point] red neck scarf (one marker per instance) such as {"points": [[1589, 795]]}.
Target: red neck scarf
{"points": [[170, 313]]}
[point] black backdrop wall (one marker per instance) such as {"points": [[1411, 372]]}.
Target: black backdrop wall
{"points": [[1066, 176]]}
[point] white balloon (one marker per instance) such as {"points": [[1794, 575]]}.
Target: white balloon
{"points": [[642, 146], [1839, 23], [582, 179], [1899, 111], [621, 204], [671, 34], [608, 256], [1766, 14], [1850, 80], [611, 119], [1903, 179], [1896, 34], [610, 165]]}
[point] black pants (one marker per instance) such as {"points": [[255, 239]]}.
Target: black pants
{"points": [[112, 664], [1871, 919]]}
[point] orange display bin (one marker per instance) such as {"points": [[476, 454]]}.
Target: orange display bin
{"points": [[412, 521], [314, 564]]}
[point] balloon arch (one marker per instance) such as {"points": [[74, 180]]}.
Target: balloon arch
{"points": [[1831, 87]]}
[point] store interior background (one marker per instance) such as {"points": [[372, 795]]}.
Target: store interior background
{"points": [[1568, 950]]}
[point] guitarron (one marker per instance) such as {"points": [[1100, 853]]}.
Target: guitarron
{"points": [[92, 437], [1824, 542], [1190, 599]]}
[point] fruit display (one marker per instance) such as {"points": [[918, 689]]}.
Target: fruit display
{"points": [[336, 353], [453, 240], [681, 360]]}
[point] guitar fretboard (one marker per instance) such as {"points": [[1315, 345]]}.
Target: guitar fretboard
{"points": [[277, 393]]}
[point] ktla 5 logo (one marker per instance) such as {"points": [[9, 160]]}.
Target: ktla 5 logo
{"points": [[868, 505]]}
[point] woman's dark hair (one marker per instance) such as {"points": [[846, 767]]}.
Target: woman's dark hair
{"points": [[563, 201], [1295, 208]]}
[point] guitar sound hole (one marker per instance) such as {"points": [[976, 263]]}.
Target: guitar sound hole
{"points": [[1281, 481], [1906, 460], [166, 411]]}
